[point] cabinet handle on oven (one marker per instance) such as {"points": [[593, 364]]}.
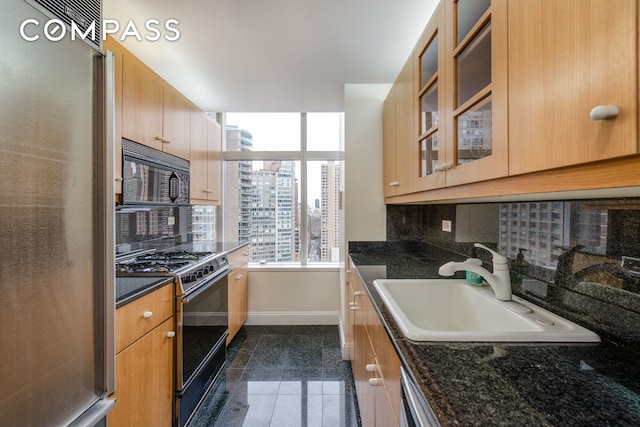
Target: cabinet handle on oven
{"points": [[147, 314], [171, 334]]}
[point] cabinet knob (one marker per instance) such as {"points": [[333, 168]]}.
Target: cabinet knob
{"points": [[354, 308], [119, 178], [239, 276], [375, 382], [352, 304], [394, 184], [358, 293], [171, 334], [208, 191], [147, 314], [371, 367], [604, 112]]}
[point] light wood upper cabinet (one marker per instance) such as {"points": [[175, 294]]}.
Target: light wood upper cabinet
{"points": [[521, 79], [153, 112], [451, 101], [390, 184], [205, 159], [476, 128], [176, 115], [430, 139], [141, 103], [565, 58], [400, 162]]}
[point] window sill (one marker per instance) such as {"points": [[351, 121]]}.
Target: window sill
{"points": [[293, 267]]}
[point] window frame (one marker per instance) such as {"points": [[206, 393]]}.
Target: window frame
{"points": [[303, 156]]}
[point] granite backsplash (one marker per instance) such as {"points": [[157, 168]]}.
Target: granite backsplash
{"points": [[580, 258]]}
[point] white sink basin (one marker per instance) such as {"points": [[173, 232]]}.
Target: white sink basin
{"points": [[452, 310]]}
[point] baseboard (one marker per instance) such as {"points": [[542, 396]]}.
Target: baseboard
{"points": [[344, 345], [293, 318]]}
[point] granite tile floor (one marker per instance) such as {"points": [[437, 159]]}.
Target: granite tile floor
{"points": [[282, 376]]}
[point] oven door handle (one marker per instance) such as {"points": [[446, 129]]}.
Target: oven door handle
{"points": [[205, 285]]}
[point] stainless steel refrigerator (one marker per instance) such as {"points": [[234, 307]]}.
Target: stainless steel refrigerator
{"points": [[56, 224]]}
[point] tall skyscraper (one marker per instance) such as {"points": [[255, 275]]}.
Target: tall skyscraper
{"points": [[272, 208], [238, 186], [330, 213]]}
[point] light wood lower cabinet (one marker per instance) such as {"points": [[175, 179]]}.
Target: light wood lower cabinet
{"points": [[144, 366], [238, 290], [374, 361]]}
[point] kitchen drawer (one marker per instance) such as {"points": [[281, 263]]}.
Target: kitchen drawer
{"points": [[239, 257], [142, 315]]}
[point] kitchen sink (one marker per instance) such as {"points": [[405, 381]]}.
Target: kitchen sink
{"points": [[452, 310]]}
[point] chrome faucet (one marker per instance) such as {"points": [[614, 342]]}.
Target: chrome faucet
{"points": [[499, 280]]}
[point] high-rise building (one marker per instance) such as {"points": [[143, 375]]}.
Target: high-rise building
{"points": [[330, 213], [540, 229], [238, 185], [272, 207]]}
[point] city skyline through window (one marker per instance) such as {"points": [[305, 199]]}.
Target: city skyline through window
{"points": [[284, 202]]}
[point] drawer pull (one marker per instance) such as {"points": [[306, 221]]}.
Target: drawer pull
{"points": [[147, 314], [354, 308], [604, 112], [358, 293], [371, 367], [171, 334], [375, 382], [352, 304]]}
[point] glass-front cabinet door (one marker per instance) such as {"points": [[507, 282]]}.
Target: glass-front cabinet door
{"points": [[429, 70], [476, 98]]}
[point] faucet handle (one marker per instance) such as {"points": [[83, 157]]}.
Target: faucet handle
{"points": [[497, 257]]}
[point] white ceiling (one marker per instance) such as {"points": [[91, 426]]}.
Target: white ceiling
{"points": [[274, 55]]}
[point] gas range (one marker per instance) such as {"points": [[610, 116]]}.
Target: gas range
{"points": [[192, 270]]}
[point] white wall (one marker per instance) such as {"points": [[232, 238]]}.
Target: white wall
{"points": [[293, 297], [365, 211]]}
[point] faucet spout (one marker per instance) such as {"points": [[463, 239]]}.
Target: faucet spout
{"points": [[499, 280]]}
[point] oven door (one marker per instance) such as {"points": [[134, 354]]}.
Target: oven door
{"points": [[202, 334]]}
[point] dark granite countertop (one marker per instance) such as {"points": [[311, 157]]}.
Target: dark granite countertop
{"points": [[502, 383], [131, 288]]}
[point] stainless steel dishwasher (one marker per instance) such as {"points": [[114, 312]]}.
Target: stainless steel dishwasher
{"points": [[415, 410]]}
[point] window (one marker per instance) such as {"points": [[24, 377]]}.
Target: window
{"points": [[283, 175]]}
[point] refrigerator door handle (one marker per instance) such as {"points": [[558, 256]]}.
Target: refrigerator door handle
{"points": [[109, 226]]}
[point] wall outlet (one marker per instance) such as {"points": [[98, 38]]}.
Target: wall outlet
{"points": [[446, 225], [171, 220]]}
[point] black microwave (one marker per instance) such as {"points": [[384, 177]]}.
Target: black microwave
{"points": [[153, 178]]}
